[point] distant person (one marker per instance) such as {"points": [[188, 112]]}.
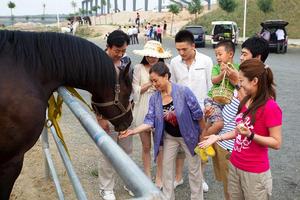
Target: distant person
{"points": [[130, 34], [159, 32], [137, 19], [165, 27], [280, 39], [266, 35], [135, 32], [154, 32]]}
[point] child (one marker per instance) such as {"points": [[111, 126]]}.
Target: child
{"points": [[224, 53], [259, 123]]}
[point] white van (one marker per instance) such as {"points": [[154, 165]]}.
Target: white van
{"points": [[224, 30]]}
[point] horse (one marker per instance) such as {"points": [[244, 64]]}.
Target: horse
{"points": [[87, 20], [71, 29], [33, 65]]}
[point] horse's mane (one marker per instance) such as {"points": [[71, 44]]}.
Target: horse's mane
{"points": [[63, 56]]}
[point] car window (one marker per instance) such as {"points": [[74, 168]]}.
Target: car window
{"points": [[222, 28], [195, 30]]}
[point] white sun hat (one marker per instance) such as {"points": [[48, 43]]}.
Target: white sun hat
{"points": [[153, 49]]}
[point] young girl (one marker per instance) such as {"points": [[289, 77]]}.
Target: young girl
{"points": [[259, 125]]}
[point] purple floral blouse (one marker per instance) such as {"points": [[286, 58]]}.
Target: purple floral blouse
{"points": [[187, 110]]}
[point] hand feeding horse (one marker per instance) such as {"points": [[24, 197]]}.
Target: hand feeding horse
{"points": [[33, 66]]}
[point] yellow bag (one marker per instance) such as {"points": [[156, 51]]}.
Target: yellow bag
{"points": [[204, 153]]}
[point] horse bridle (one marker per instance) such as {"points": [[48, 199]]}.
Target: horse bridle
{"points": [[115, 102]]}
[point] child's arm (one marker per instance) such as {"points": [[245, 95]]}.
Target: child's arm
{"points": [[217, 78]]}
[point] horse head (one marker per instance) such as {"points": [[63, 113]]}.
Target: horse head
{"points": [[117, 109]]}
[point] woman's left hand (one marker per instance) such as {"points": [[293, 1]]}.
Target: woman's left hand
{"points": [[243, 130]]}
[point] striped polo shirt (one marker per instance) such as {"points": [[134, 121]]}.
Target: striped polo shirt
{"points": [[229, 113]]}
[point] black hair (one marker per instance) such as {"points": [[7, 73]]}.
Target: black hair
{"points": [[117, 38], [185, 36], [227, 44], [145, 62], [161, 69], [257, 46]]}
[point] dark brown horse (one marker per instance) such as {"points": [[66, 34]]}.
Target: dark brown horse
{"points": [[33, 66]]}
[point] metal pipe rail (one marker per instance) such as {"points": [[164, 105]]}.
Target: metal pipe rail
{"points": [[129, 172]]}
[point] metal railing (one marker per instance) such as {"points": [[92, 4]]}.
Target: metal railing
{"points": [[130, 173]]}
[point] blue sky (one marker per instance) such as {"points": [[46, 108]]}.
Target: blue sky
{"points": [[34, 7]]}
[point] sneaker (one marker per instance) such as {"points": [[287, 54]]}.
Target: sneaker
{"points": [[176, 184], [107, 195], [204, 186], [129, 191]]}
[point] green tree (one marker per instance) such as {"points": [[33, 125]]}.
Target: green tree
{"points": [[81, 11], [174, 9], [228, 5], [265, 5], [74, 5], [95, 8], [195, 7], [11, 5], [27, 18]]}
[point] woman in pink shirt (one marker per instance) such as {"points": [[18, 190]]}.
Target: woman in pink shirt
{"points": [[259, 125]]}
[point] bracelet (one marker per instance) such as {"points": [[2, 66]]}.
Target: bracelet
{"points": [[251, 136]]}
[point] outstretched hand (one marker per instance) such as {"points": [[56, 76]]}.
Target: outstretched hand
{"points": [[124, 134], [208, 140]]}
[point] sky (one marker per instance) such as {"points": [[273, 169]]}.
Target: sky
{"points": [[35, 7]]}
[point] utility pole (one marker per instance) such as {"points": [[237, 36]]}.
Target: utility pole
{"points": [[245, 16]]}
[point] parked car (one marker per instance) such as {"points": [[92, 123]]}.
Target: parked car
{"points": [[280, 46], [199, 34], [224, 30]]}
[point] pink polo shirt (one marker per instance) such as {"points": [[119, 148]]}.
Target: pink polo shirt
{"points": [[248, 155]]}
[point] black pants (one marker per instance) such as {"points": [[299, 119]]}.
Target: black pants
{"points": [[159, 37], [135, 38]]}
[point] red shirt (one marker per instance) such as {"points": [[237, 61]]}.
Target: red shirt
{"points": [[248, 155]]}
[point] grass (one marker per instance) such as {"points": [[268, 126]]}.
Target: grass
{"points": [[285, 10]]}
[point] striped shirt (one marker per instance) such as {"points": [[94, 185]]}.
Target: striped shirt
{"points": [[229, 113]]}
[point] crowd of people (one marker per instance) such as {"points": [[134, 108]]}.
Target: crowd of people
{"points": [[174, 104], [149, 31]]}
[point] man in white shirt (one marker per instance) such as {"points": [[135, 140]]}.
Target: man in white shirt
{"points": [[135, 33], [192, 69], [130, 34], [280, 40]]}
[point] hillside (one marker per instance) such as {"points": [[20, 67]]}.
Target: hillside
{"points": [[285, 10]]}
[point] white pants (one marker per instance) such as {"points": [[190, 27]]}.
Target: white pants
{"points": [[170, 149], [106, 172]]}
